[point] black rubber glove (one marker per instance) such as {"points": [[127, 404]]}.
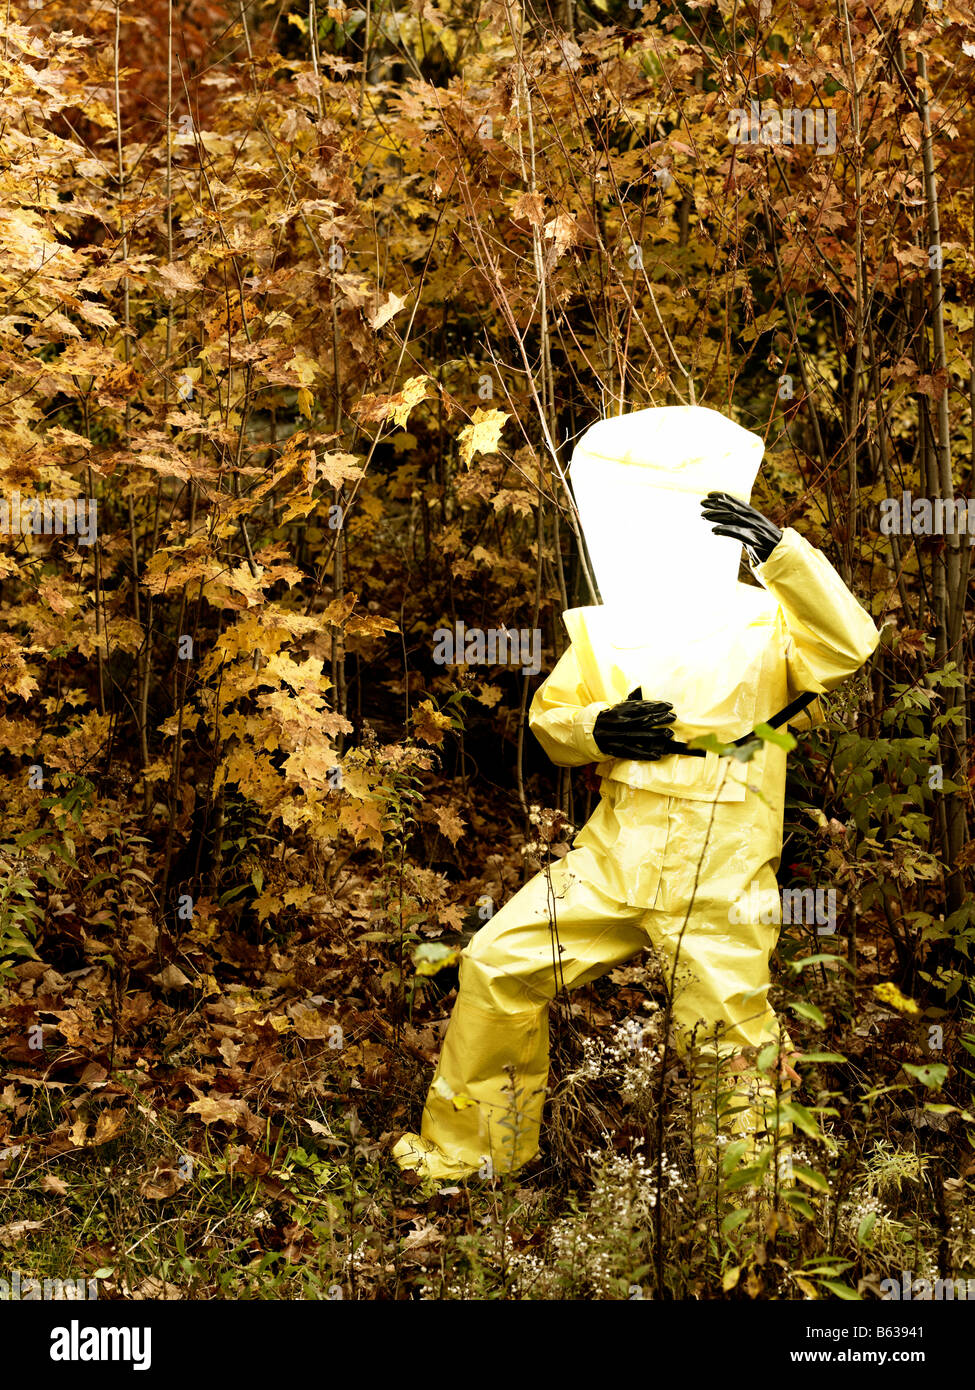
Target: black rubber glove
{"points": [[743, 523], [635, 728]]}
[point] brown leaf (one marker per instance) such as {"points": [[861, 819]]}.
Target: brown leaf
{"points": [[424, 1233], [162, 1183], [108, 1124], [377, 409], [563, 233], [154, 1288], [171, 978], [310, 1024], [450, 823], [213, 1109], [177, 276], [530, 207]]}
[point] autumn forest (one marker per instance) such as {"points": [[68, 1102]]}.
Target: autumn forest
{"points": [[303, 311]]}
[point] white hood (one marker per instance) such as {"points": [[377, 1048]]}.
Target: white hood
{"points": [[638, 481], [674, 618]]}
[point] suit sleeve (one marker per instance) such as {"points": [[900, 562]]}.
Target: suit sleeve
{"points": [[563, 713], [830, 635]]}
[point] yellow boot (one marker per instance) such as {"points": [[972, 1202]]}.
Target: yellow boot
{"points": [[417, 1155]]}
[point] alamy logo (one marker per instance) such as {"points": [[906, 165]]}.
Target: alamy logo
{"points": [[17, 1289], [792, 125], [475, 646], [925, 1290], [49, 516], [811, 906], [908, 515], [76, 1343]]}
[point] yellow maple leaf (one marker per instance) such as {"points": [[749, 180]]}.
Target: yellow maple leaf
{"points": [[385, 312], [412, 393], [482, 435], [488, 695], [336, 467], [429, 723]]}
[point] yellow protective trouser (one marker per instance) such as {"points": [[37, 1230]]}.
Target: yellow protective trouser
{"points": [[514, 967]]}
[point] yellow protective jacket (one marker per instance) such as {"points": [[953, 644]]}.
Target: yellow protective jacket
{"points": [[802, 631]]}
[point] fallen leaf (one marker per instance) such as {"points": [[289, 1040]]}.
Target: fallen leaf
{"points": [[108, 1124], [171, 978], [159, 1184], [310, 1024], [154, 1288], [212, 1109], [422, 1235]]}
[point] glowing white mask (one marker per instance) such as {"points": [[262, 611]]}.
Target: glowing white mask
{"points": [[638, 481]]}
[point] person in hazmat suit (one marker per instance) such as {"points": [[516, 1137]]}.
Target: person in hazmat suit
{"points": [[681, 852]]}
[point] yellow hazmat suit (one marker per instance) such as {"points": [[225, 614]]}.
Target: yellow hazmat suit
{"points": [[676, 846]]}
